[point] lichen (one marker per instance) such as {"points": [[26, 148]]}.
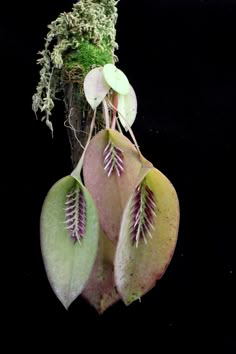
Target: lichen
{"points": [[76, 42]]}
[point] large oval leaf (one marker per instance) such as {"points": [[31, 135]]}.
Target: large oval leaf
{"points": [[116, 79], [95, 87], [69, 238], [127, 108], [148, 236], [100, 290], [110, 173]]}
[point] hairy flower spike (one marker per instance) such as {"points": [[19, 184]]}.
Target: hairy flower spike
{"points": [[113, 159], [143, 211], [75, 213]]}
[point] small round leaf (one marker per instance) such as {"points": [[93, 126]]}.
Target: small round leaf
{"points": [[95, 87], [127, 108], [116, 79]]}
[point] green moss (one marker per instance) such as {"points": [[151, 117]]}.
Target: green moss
{"points": [[86, 57]]}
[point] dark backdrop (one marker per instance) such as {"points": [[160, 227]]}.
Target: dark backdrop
{"points": [[180, 58]]}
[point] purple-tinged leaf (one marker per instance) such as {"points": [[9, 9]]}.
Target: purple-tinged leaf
{"points": [[147, 237], [111, 167], [100, 290]]}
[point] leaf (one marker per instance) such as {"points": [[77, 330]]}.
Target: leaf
{"points": [[127, 108], [111, 167], [68, 254], [100, 290], [116, 79], [139, 264], [95, 87]]}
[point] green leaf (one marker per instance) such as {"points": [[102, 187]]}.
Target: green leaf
{"points": [[100, 290], [68, 260], [95, 87], [110, 176], [116, 79], [127, 108], [148, 236]]}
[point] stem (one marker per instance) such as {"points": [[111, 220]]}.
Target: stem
{"points": [[78, 126], [115, 104], [128, 127], [77, 171], [106, 114]]}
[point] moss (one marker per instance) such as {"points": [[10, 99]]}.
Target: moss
{"points": [[88, 55]]}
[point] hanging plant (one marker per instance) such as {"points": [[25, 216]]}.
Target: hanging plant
{"points": [[109, 230]]}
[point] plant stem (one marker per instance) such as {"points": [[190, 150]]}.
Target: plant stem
{"points": [[78, 135]]}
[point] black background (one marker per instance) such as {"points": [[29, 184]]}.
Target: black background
{"points": [[180, 58]]}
